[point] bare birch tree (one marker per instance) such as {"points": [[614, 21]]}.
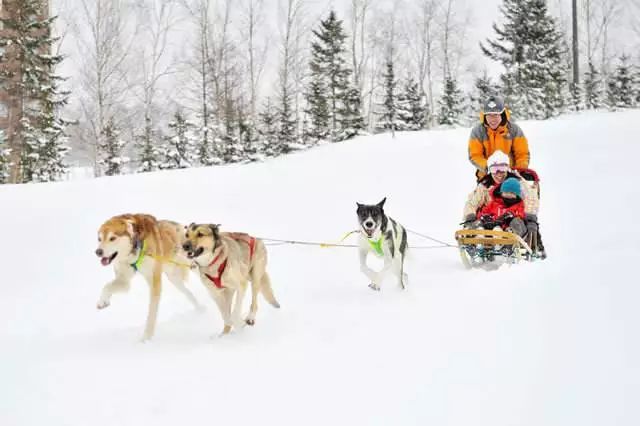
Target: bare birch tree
{"points": [[157, 19], [104, 38]]}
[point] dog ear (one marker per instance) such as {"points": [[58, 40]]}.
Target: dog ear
{"points": [[358, 204], [381, 203], [216, 230], [131, 228]]}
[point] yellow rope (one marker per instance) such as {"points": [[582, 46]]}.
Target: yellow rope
{"points": [[326, 245]]}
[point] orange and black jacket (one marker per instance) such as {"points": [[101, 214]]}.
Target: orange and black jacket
{"points": [[508, 138]]}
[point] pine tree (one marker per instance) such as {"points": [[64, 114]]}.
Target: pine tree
{"points": [[287, 127], [389, 113], [412, 112], [111, 149], [149, 148], [180, 144], [351, 121], [620, 87], [576, 98], [450, 105], [529, 46], [329, 59], [230, 148], [208, 140], [41, 141], [248, 136], [4, 159], [316, 96], [592, 88], [268, 129], [637, 85]]}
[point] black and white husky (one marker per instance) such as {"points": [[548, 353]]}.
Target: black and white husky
{"points": [[386, 238]]}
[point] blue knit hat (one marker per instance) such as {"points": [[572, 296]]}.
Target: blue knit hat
{"points": [[511, 185]]}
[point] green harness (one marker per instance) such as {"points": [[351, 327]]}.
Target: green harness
{"points": [[376, 246], [136, 265]]}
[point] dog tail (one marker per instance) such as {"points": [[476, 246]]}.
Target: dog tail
{"points": [[267, 290]]}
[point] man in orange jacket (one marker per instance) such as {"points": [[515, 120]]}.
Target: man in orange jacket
{"points": [[496, 131]]}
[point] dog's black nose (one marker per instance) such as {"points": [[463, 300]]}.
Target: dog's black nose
{"points": [[99, 252], [186, 246], [368, 224]]}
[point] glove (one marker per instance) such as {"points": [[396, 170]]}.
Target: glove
{"points": [[506, 218], [532, 222], [469, 220]]}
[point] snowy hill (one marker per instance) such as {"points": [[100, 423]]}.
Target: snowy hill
{"points": [[549, 343]]}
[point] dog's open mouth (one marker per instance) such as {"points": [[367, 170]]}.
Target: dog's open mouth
{"points": [[194, 254], [107, 260], [368, 232]]}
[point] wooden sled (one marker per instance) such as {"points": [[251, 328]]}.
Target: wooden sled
{"points": [[481, 247]]}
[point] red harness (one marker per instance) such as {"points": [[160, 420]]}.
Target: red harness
{"points": [[217, 280]]}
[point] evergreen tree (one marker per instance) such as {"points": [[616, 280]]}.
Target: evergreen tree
{"points": [[592, 88], [208, 140], [529, 46], [576, 98], [40, 140], [329, 62], [412, 112], [230, 148], [149, 148], [316, 96], [287, 126], [181, 143], [111, 148], [390, 102], [4, 159], [450, 105], [620, 87], [351, 121], [268, 129], [637, 85]]}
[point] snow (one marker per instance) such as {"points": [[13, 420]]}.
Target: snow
{"points": [[548, 343]]}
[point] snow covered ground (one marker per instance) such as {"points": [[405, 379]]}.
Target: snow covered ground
{"points": [[549, 343]]}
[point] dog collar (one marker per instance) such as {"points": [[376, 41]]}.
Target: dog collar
{"points": [[136, 265], [376, 246]]}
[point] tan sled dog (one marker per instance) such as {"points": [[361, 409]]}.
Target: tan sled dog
{"points": [[227, 261], [140, 243]]}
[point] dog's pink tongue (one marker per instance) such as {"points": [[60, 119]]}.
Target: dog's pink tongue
{"points": [[104, 261]]}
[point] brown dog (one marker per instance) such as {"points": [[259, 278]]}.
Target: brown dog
{"points": [[140, 243], [227, 261]]}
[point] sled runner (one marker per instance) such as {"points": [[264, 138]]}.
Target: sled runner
{"points": [[481, 247]]}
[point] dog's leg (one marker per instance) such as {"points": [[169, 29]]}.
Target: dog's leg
{"points": [[223, 299], [398, 269], [379, 276], [237, 309], [155, 289], [366, 270], [120, 284], [178, 275], [218, 296], [227, 294], [255, 289]]}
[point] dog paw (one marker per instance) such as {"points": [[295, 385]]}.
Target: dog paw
{"points": [[103, 304], [374, 286], [226, 330]]}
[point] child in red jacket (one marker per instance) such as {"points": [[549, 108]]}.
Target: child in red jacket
{"points": [[505, 209]]}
